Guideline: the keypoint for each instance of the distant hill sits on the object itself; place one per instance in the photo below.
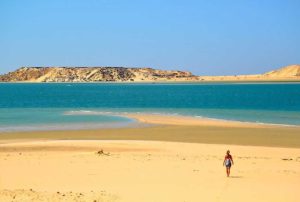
(288, 71)
(94, 74)
(122, 74)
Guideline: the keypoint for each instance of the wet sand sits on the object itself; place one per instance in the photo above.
(177, 129)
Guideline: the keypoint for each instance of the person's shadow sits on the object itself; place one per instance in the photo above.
(236, 176)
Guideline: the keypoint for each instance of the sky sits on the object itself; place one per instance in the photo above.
(206, 37)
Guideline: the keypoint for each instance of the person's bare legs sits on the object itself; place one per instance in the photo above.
(228, 171)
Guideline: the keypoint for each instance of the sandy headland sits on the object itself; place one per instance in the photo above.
(289, 73)
(173, 158)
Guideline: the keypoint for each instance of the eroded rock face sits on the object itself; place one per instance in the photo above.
(93, 74)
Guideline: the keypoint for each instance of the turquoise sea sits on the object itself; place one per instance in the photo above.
(55, 106)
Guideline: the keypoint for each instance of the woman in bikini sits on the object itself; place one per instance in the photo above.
(228, 162)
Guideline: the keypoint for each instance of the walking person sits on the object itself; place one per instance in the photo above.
(228, 162)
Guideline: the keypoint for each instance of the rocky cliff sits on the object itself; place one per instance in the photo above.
(94, 74)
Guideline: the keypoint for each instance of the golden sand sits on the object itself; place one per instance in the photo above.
(180, 161)
(178, 129)
(132, 171)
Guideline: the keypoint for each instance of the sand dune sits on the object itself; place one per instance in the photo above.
(288, 71)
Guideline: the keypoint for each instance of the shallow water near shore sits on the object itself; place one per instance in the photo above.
(44, 106)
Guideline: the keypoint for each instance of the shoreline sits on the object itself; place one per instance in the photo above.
(141, 119)
(271, 81)
(169, 119)
(176, 157)
(175, 129)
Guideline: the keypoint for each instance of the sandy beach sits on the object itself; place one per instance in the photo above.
(145, 171)
(175, 159)
(141, 101)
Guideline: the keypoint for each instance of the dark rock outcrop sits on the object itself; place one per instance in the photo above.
(93, 74)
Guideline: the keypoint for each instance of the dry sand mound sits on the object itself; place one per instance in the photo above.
(288, 71)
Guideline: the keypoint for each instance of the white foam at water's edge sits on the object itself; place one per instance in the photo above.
(88, 112)
(119, 124)
(247, 122)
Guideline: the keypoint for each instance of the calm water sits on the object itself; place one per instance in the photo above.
(92, 105)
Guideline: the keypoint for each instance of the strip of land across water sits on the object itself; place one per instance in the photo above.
(173, 158)
(178, 129)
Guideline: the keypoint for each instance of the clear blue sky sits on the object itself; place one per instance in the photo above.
(207, 37)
